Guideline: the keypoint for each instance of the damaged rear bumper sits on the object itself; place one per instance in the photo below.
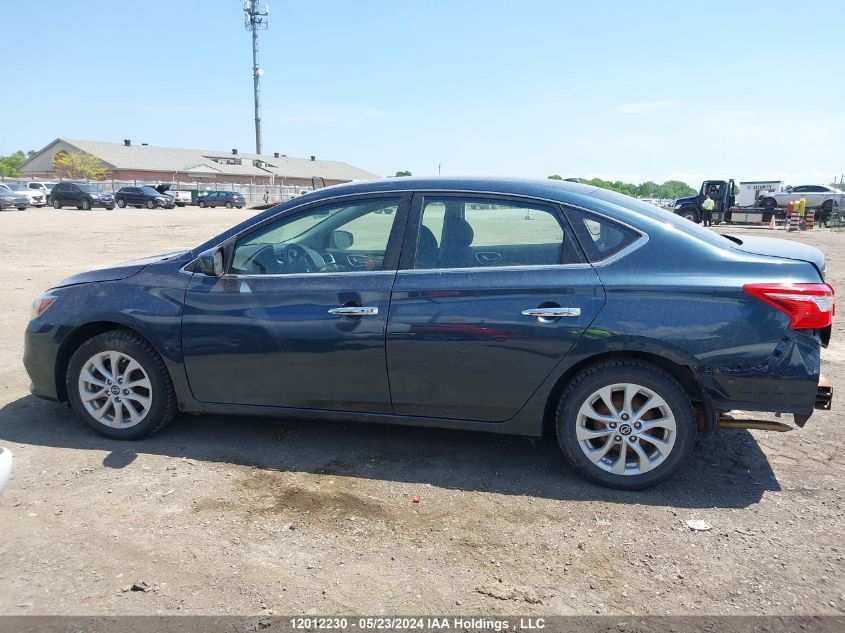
(754, 420)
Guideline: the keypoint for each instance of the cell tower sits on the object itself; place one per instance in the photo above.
(256, 18)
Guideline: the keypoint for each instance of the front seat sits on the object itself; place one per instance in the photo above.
(455, 251)
(426, 249)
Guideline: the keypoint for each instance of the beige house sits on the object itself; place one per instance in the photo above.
(130, 161)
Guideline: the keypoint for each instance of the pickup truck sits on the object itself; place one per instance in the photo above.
(181, 198)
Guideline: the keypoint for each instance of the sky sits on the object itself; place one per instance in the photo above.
(620, 90)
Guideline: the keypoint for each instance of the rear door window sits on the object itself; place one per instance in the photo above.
(469, 232)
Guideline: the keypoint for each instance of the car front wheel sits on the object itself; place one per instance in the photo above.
(85, 205)
(625, 424)
(228, 205)
(151, 204)
(118, 384)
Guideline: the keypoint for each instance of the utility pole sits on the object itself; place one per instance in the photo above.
(256, 19)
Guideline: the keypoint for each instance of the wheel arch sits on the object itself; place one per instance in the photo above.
(74, 340)
(680, 372)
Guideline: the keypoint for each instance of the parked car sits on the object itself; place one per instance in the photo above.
(621, 327)
(45, 187)
(12, 199)
(226, 199)
(80, 195)
(142, 197)
(36, 198)
(817, 196)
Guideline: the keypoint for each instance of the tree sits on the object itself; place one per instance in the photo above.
(9, 164)
(555, 177)
(675, 189)
(648, 189)
(403, 173)
(78, 165)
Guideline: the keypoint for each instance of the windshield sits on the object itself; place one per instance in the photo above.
(16, 186)
(89, 188)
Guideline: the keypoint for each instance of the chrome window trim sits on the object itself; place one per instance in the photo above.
(637, 244)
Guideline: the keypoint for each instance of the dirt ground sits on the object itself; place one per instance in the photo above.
(247, 516)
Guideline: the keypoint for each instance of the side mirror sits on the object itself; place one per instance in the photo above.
(210, 262)
(342, 240)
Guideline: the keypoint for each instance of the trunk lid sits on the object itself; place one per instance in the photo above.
(775, 247)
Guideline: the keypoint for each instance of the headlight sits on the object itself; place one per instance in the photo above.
(40, 305)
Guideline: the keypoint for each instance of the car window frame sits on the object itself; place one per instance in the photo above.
(638, 243)
(392, 253)
(412, 229)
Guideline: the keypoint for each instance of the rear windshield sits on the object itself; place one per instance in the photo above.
(667, 217)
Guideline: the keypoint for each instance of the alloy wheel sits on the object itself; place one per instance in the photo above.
(626, 429)
(115, 389)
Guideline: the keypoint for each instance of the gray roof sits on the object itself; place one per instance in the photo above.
(164, 159)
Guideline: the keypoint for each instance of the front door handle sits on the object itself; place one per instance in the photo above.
(552, 313)
(354, 311)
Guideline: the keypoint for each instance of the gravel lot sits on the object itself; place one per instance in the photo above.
(244, 516)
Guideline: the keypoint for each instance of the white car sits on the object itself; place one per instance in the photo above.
(5, 466)
(821, 196)
(37, 197)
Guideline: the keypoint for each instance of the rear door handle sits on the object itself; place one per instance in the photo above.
(552, 313)
(349, 311)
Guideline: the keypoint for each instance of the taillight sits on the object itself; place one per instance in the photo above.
(808, 306)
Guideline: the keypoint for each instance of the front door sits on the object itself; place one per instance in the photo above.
(299, 319)
(491, 295)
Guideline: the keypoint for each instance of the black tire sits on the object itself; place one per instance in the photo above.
(690, 215)
(163, 397)
(201, 204)
(770, 204)
(151, 204)
(85, 205)
(57, 204)
(593, 378)
(827, 206)
(229, 205)
(121, 203)
(110, 207)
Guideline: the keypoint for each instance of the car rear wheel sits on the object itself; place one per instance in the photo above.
(229, 205)
(118, 384)
(151, 204)
(769, 203)
(827, 206)
(86, 204)
(121, 203)
(201, 204)
(625, 424)
(57, 204)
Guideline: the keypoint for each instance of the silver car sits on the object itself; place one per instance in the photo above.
(827, 198)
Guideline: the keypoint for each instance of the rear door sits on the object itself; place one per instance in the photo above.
(491, 294)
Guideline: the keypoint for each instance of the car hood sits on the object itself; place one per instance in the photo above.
(779, 248)
(115, 273)
(686, 199)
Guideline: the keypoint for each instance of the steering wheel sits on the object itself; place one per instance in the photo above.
(302, 259)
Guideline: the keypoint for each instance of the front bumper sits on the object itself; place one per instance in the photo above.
(40, 354)
(103, 202)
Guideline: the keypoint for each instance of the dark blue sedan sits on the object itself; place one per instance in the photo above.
(509, 306)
